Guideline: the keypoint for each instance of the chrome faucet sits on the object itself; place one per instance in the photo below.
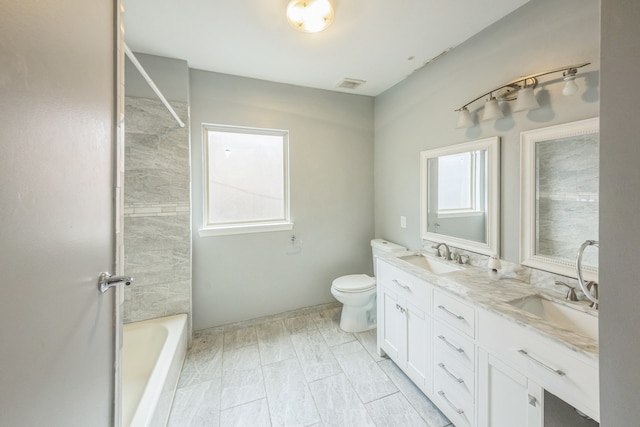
(593, 288)
(447, 251)
(571, 294)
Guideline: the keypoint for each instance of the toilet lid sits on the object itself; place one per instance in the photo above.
(354, 283)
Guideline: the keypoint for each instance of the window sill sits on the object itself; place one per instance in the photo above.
(244, 229)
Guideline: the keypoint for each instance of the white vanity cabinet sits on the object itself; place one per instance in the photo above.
(404, 322)
(479, 367)
(536, 363)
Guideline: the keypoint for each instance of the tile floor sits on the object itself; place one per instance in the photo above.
(295, 369)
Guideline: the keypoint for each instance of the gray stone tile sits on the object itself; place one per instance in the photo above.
(239, 337)
(366, 377)
(254, 414)
(274, 342)
(328, 323)
(197, 406)
(427, 410)
(338, 404)
(242, 380)
(204, 359)
(289, 397)
(369, 340)
(394, 411)
(300, 323)
(314, 355)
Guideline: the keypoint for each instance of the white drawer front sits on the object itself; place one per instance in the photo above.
(455, 313)
(453, 345)
(448, 370)
(556, 368)
(412, 289)
(459, 409)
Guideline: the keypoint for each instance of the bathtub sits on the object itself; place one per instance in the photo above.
(152, 355)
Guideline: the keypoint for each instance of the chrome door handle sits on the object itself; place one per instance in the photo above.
(107, 281)
(450, 344)
(450, 403)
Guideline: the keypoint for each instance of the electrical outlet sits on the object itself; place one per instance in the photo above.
(403, 222)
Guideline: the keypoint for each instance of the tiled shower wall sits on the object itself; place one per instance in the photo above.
(157, 217)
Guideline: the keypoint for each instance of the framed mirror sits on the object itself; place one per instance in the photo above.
(460, 195)
(559, 197)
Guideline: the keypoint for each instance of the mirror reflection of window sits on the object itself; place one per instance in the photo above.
(461, 180)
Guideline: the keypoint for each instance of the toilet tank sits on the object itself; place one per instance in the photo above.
(381, 246)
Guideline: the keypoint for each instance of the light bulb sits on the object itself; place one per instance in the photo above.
(492, 110)
(526, 100)
(464, 118)
(570, 87)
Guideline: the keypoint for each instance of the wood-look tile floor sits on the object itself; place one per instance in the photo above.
(295, 369)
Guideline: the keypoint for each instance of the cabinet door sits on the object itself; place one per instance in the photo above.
(504, 396)
(392, 323)
(418, 346)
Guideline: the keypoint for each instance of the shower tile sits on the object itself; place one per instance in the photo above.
(254, 414)
(315, 357)
(366, 377)
(290, 400)
(338, 404)
(393, 411)
(274, 342)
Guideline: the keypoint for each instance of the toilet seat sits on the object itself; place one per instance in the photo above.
(354, 283)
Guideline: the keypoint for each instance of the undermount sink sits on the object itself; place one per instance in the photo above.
(430, 264)
(559, 314)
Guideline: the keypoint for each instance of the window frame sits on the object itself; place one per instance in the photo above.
(243, 227)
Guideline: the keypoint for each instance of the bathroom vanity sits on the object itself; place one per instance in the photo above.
(485, 350)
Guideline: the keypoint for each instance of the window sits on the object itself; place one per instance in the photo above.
(246, 174)
(459, 178)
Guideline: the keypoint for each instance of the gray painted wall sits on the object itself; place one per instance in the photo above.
(619, 205)
(331, 150)
(418, 113)
(169, 74)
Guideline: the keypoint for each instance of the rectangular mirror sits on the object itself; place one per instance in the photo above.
(459, 195)
(559, 197)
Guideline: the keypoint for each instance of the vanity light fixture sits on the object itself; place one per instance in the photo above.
(310, 16)
(521, 90)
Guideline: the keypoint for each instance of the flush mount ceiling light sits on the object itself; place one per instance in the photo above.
(310, 16)
(520, 90)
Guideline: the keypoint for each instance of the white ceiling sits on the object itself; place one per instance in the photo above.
(379, 41)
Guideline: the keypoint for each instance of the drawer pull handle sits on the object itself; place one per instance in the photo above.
(544, 365)
(450, 313)
(402, 285)
(454, 407)
(444, 368)
(447, 342)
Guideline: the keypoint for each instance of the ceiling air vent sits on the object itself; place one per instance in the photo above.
(348, 83)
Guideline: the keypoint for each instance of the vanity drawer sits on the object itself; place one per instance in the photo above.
(556, 368)
(453, 345)
(412, 289)
(455, 313)
(458, 408)
(448, 370)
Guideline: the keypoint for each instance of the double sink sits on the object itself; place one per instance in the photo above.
(562, 314)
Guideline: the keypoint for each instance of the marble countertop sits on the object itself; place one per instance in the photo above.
(474, 285)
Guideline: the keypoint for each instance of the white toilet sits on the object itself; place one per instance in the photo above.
(357, 292)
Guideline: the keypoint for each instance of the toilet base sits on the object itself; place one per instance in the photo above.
(358, 319)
